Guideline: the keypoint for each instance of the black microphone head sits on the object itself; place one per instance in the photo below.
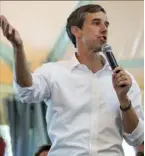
(106, 48)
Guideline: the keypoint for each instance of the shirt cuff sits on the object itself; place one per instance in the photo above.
(23, 92)
(18, 88)
(137, 136)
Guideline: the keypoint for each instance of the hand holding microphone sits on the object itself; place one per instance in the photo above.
(120, 79)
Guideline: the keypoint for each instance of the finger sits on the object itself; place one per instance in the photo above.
(120, 74)
(123, 83)
(117, 69)
(3, 23)
(9, 31)
(2, 18)
(121, 78)
(13, 36)
(5, 29)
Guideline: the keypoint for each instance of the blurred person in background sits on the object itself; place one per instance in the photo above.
(140, 150)
(5, 141)
(43, 150)
(91, 112)
(2, 146)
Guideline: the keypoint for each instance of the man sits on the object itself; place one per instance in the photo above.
(43, 150)
(90, 112)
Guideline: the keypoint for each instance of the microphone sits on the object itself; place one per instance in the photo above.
(107, 50)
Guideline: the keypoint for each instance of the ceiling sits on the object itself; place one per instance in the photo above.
(40, 23)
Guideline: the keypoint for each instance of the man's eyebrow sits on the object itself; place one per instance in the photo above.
(99, 19)
(96, 19)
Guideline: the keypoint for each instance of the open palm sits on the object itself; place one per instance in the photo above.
(9, 32)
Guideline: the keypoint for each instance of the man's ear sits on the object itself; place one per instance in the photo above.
(76, 31)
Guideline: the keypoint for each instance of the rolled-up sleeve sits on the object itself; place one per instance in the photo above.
(40, 89)
(137, 136)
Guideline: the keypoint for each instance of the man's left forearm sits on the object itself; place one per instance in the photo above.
(130, 118)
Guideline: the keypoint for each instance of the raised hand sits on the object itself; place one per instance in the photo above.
(9, 32)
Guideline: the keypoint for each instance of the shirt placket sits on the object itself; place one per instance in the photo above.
(94, 113)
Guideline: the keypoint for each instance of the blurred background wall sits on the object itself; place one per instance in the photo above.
(42, 28)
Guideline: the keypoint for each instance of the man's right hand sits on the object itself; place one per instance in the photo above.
(10, 33)
(22, 73)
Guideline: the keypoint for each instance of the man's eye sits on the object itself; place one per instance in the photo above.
(96, 23)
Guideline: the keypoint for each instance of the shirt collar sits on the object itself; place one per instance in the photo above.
(74, 62)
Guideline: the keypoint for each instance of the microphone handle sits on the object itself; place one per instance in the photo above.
(112, 61)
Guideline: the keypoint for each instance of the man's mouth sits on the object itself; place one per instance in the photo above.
(103, 38)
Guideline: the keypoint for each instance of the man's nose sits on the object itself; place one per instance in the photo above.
(104, 28)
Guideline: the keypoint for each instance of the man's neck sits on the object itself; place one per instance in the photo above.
(91, 59)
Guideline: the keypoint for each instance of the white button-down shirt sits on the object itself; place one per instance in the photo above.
(83, 116)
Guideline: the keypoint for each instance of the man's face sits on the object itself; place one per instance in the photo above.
(45, 153)
(94, 31)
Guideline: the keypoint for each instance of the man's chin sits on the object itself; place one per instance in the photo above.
(97, 49)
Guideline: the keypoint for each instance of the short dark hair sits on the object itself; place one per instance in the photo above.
(42, 149)
(77, 18)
